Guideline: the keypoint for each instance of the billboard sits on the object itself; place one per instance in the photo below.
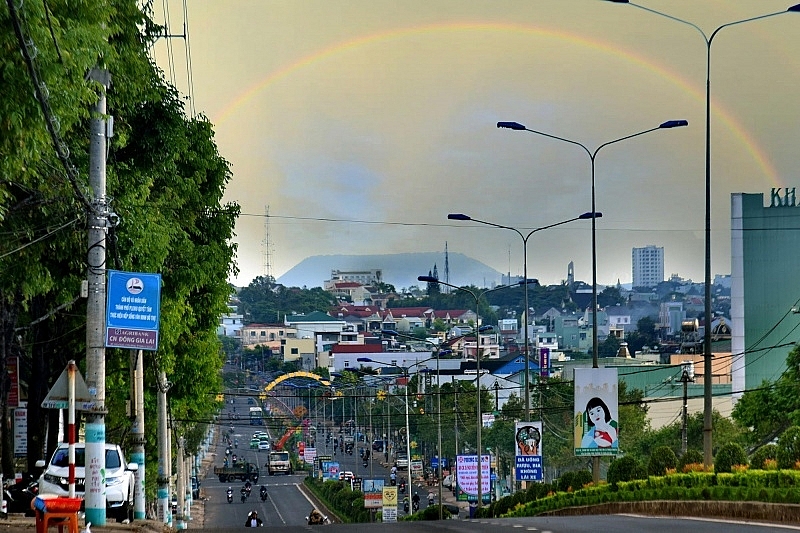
(596, 412)
(528, 446)
(467, 475)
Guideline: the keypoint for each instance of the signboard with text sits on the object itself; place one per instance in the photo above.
(467, 475)
(528, 454)
(20, 432)
(373, 493)
(132, 310)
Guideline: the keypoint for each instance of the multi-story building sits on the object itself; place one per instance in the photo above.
(648, 266)
(765, 249)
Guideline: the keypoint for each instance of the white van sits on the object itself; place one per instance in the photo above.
(120, 482)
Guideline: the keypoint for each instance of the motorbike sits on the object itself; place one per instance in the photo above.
(405, 505)
(263, 493)
(230, 496)
(402, 488)
(18, 496)
(317, 519)
(244, 496)
(431, 499)
(415, 505)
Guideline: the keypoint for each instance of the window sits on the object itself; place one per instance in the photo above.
(295, 351)
(347, 364)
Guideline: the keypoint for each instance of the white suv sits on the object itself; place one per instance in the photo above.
(120, 482)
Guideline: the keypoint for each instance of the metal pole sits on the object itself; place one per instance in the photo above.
(137, 434)
(181, 489)
(478, 398)
(163, 452)
(439, 432)
(95, 430)
(408, 432)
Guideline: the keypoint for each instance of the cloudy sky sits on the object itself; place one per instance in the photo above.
(361, 124)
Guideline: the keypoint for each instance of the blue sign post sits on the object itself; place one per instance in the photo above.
(133, 310)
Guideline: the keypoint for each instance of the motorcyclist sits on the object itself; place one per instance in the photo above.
(263, 492)
(431, 498)
(248, 486)
(315, 518)
(415, 499)
(253, 520)
(229, 493)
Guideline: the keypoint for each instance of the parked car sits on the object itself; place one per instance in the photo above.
(378, 445)
(119, 475)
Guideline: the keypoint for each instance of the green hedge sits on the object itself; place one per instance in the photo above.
(346, 504)
(773, 486)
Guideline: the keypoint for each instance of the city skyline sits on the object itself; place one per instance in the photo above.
(361, 125)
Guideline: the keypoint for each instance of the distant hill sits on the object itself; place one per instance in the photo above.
(401, 270)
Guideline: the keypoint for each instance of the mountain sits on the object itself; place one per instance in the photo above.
(401, 270)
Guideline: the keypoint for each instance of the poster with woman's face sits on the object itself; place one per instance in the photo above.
(596, 420)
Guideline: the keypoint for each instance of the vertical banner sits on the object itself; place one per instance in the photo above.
(596, 412)
(544, 362)
(467, 475)
(389, 510)
(373, 493)
(12, 367)
(528, 446)
(20, 432)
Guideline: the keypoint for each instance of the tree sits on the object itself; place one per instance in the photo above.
(166, 179)
(433, 288)
(609, 347)
(610, 297)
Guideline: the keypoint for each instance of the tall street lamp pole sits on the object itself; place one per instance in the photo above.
(708, 39)
(437, 354)
(584, 216)
(592, 157)
(477, 297)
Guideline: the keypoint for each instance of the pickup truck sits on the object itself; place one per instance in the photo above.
(240, 472)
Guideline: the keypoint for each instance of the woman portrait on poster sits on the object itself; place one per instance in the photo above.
(602, 430)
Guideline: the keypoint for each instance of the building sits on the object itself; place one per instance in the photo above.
(648, 266)
(364, 277)
(765, 249)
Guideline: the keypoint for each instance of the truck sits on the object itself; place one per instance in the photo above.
(240, 472)
(278, 462)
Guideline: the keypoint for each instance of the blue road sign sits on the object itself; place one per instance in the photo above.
(133, 310)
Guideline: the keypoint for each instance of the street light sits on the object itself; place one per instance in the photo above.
(707, 389)
(477, 297)
(584, 216)
(408, 426)
(592, 156)
(439, 353)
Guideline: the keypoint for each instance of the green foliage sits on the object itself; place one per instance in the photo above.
(626, 468)
(759, 457)
(789, 448)
(691, 457)
(730, 455)
(268, 302)
(662, 459)
(609, 347)
(346, 504)
(574, 480)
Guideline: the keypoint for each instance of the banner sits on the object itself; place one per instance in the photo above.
(528, 446)
(596, 412)
(544, 362)
(389, 510)
(132, 310)
(467, 475)
(330, 471)
(373, 493)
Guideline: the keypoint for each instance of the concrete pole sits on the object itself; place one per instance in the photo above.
(95, 431)
(187, 474)
(137, 433)
(181, 489)
(164, 512)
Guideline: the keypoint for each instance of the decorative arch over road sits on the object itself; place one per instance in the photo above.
(300, 374)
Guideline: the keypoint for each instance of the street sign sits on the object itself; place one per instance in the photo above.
(132, 310)
(58, 396)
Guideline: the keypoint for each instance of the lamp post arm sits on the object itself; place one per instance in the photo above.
(588, 152)
(535, 230)
(676, 19)
(637, 134)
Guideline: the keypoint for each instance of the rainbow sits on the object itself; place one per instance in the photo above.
(695, 91)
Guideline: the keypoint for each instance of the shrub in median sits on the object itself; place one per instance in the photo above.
(661, 459)
(730, 455)
(788, 453)
(625, 469)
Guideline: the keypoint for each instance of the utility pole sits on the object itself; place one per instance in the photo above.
(95, 431)
(137, 432)
(687, 376)
(181, 498)
(164, 512)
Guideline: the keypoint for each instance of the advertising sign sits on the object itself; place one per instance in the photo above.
(132, 310)
(389, 510)
(596, 412)
(20, 432)
(416, 468)
(330, 471)
(309, 455)
(12, 366)
(544, 362)
(467, 475)
(528, 446)
(373, 493)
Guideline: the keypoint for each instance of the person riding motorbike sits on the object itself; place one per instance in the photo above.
(415, 499)
(393, 479)
(431, 498)
(315, 518)
(248, 486)
(405, 504)
(253, 520)
(229, 492)
(263, 493)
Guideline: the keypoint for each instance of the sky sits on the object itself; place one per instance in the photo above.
(359, 125)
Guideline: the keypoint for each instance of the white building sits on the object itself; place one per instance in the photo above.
(648, 266)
